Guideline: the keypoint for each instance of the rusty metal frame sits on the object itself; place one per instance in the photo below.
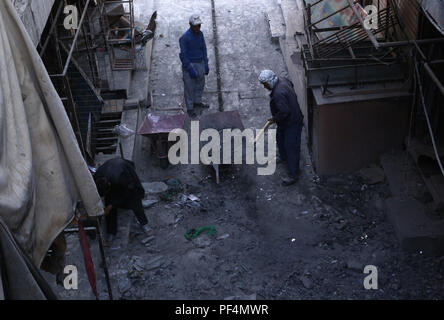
(344, 38)
(351, 38)
(63, 65)
(119, 63)
(74, 42)
(64, 68)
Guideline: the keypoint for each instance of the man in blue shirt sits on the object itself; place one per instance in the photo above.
(193, 54)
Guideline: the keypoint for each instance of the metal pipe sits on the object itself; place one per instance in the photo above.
(317, 2)
(102, 253)
(71, 51)
(437, 62)
(318, 30)
(51, 30)
(345, 66)
(409, 42)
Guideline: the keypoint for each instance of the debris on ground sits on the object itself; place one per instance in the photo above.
(224, 236)
(173, 183)
(194, 233)
(149, 203)
(147, 240)
(193, 197)
(306, 281)
(155, 263)
(124, 285)
(372, 174)
(154, 187)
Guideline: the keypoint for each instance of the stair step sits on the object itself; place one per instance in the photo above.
(108, 121)
(111, 148)
(106, 139)
(104, 130)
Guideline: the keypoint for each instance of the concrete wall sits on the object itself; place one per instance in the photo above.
(349, 136)
(34, 14)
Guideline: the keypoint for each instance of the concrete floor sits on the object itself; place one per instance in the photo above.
(309, 241)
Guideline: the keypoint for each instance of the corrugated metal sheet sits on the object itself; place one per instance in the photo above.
(434, 10)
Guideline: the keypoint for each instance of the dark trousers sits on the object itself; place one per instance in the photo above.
(289, 144)
(133, 204)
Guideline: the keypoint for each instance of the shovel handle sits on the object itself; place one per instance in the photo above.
(268, 124)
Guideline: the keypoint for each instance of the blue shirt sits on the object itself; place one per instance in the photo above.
(192, 48)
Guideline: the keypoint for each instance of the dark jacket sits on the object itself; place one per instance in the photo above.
(284, 104)
(125, 184)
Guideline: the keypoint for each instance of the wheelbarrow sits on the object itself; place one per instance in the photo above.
(220, 121)
(156, 127)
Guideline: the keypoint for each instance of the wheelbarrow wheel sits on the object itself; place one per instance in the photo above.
(164, 163)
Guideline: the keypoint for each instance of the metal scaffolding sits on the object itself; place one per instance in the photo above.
(340, 30)
(338, 39)
(117, 19)
(342, 50)
(65, 51)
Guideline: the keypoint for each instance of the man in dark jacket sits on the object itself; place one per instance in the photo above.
(117, 181)
(194, 58)
(287, 115)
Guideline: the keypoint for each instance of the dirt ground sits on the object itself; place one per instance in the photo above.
(308, 241)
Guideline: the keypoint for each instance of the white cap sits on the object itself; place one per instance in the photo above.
(195, 20)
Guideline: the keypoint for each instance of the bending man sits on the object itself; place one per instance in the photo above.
(117, 181)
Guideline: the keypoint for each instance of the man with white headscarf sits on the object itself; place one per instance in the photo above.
(287, 115)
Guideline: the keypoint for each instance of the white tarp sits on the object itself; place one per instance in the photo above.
(42, 171)
(434, 10)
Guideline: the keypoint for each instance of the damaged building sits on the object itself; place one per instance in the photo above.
(374, 85)
(368, 75)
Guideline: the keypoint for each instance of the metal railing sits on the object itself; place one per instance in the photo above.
(63, 51)
(121, 39)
